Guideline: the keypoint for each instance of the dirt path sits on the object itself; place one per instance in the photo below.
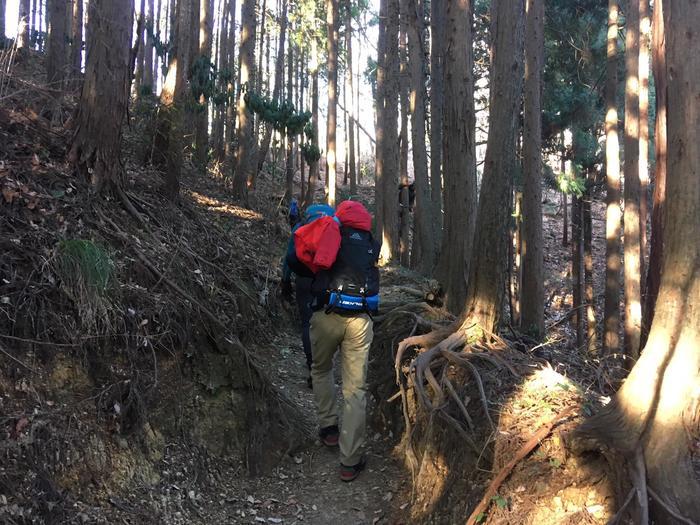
(307, 488)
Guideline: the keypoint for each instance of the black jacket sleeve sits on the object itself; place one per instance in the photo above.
(297, 266)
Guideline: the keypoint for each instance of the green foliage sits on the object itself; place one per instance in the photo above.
(84, 264)
(575, 51)
(283, 116)
(500, 501)
(480, 517)
(571, 185)
(203, 78)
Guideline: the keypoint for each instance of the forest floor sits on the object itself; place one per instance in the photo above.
(182, 483)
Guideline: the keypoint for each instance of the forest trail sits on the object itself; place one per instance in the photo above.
(306, 487)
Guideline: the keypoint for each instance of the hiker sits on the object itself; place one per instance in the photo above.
(303, 283)
(342, 255)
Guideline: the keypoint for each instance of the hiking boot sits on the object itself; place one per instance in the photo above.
(349, 473)
(329, 436)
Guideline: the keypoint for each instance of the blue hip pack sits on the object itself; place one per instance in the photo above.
(353, 303)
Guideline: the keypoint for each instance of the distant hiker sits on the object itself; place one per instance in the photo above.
(342, 256)
(293, 214)
(303, 284)
(411, 195)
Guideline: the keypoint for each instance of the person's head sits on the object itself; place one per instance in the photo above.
(316, 211)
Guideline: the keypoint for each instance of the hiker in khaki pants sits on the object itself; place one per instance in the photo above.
(353, 334)
(341, 255)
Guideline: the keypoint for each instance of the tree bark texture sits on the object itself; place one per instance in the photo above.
(331, 123)
(96, 147)
(148, 76)
(660, 144)
(633, 299)
(350, 93)
(644, 45)
(230, 120)
(289, 162)
(438, 21)
(657, 407)
(487, 269)
(206, 23)
(424, 242)
(459, 154)
(404, 214)
(276, 90)
(76, 48)
(245, 156)
(387, 163)
(168, 140)
(57, 40)
(532, 294)
(613, 213)
(138, 77)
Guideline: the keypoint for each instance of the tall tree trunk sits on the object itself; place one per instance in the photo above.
(613, 213)
(405, 217)
(350, 93)
(148, 50)
(459, 154)
(577, 273)
(57, 55)
(633, 305)
(313, 168)
(644, 45)
(23, 25)
(331, 124)
(588, 295)
(276, 91)
(168, 141)
(655, 413)
(289, 162)
(230, 119)
(424, 242)
(437, 101)
(564, 198)
(96, 147)
(138, 77)
(532, 295)
(387, 163)
(76, 50)
(660, 144)
(223, 68)
(206, 22)
(260, 81)
(487, 269)
(245, 156)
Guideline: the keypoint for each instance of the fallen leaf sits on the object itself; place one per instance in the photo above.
(21, 424)
(9, 195)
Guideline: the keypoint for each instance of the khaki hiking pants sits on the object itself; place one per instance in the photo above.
(353, 335)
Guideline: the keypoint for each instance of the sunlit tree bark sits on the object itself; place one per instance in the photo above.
(23, 25)
(458, 155)
(532, 294)
(633, 298)
(655, 413)
(613, 213)
(331, 124)
(660, 145)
